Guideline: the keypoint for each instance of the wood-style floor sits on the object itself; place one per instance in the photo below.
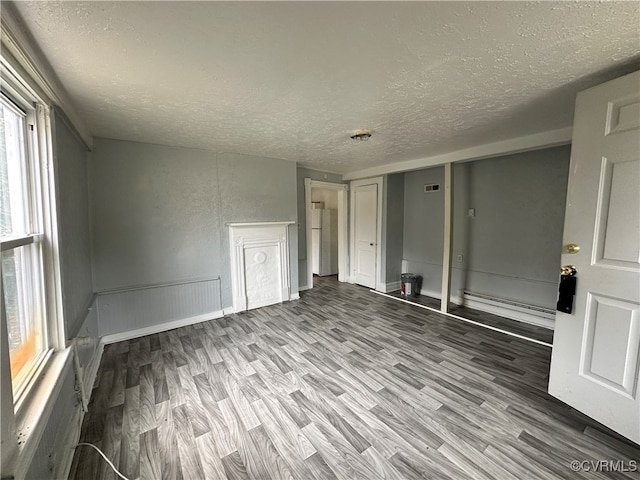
(341, 384)
(520, 328)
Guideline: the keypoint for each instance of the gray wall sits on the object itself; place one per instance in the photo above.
(393, 226)
(73, 223)
(74, 230)
(515, 240)
(156, 214)
(160, 213)
(423, 227)
(511, 249)
(301, 174)
(255, 189)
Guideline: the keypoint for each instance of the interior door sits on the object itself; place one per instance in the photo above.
(595, 359)
(366, 226)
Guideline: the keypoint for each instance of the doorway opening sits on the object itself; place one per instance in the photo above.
(326, 229)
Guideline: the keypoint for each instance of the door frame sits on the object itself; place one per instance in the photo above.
(342, 189)
(379, 181)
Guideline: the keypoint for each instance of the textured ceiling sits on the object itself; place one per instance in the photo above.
(293, 80)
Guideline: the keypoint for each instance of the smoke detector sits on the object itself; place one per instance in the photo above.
(361, 135)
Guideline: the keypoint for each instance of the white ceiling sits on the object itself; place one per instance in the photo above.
(292, 80)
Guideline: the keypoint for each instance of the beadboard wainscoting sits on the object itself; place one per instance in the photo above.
(143, 310)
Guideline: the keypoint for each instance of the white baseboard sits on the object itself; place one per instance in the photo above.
(303, 288)
(295, 296)
(162, 327)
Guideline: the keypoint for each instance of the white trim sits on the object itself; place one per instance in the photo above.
(295, 296)
(489, 327)
(327, 185)
(228, 311)
(537, 141)
(148, 286)
(379, 181)
(307, 231)
(448, 238)
(343, 232)
(260, 224)
(303, 288)
(162, 327)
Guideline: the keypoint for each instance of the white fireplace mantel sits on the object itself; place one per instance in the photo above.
(260, 264)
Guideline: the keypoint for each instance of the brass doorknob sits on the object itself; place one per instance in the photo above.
(572, 248)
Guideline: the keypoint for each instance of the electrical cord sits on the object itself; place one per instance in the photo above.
(103, 456)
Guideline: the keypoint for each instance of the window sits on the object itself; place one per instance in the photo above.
(34, 360)
(22, 237)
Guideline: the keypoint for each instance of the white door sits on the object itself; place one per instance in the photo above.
(366, 214)
(595, 358)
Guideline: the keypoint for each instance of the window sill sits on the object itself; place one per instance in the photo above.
(34, 413)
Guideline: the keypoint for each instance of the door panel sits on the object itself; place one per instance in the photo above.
(618, 239)
(366, 215)
(612, 342)
(596, 349)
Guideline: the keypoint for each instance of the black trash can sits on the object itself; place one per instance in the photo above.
(409, 285)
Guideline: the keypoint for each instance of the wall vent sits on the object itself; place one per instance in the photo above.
(434, 187)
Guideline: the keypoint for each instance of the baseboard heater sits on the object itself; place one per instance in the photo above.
(511, 308)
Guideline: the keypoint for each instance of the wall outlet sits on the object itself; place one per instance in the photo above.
(459, 258)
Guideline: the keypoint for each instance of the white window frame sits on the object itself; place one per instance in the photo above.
(34, 235)
(26, 418)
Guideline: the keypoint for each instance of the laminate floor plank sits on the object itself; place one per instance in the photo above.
(150, 465)
(130, 443)
(171, 467)
(341, 384)
(246, 448)
(276, 466)
(210, 459)
(111, 441)
(287, 449)
(174, 387)
(187, 450)
(147, 400)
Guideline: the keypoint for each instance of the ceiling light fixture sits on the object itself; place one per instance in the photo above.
(361, 135)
